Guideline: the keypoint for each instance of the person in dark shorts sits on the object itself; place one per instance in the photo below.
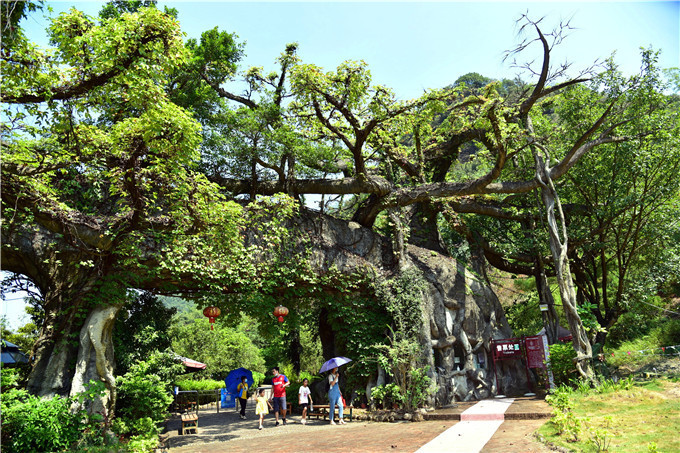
(305, 399)
(279, 383)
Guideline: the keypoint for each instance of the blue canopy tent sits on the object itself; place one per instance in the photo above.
(232, 381)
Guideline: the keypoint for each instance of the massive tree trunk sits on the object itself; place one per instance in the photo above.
(73, 333)
(462, 350)
(461, 314)
(55, 352)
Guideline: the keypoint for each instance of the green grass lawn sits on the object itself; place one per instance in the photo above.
(643, 418)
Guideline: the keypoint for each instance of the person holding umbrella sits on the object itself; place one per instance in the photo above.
(242, 392)
(334, 393)
(335, 396)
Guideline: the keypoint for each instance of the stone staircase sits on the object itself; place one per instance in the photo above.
(522, 408)
(479, 421)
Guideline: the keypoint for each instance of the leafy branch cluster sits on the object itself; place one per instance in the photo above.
(402, 296)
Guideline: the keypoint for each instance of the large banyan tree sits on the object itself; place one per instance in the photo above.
(127, 164)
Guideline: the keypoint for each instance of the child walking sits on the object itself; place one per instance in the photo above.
(263, 406)
(305, 399)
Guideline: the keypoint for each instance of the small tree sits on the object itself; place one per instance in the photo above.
(400, 360)
(143, 393)
(141, 329)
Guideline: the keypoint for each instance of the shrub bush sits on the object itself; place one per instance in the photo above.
(30, 423)
(142, 394)
(400, 359)
(669, 334)
(386, 395)
(378, 395)
(563, 418)
(9, 379)
(562, 363)
(629, 327)
(147, 439)
(421, 387)
(33, 424)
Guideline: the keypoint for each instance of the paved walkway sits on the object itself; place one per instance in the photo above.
(477, 426)
(225, 432)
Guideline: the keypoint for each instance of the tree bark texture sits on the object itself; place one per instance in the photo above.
(74, 344)
(95, 358)
(49, 260)
(461, 313)
(558, 247)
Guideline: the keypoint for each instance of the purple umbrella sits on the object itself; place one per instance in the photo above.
(334, 362)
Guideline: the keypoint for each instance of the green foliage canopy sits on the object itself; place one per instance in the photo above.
(222, 349)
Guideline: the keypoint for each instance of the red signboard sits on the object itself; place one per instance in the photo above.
(507, 349)
(533, 350)
(535, 354)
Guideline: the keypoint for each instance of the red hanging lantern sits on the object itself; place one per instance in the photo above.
(211, 313)
(280, 312)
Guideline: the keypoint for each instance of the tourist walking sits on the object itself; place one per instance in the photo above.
(305, 399)
(242, 392)
(335, 396)
(262, 407)
(279, 382)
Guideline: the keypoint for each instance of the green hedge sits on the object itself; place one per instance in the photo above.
(204, 385)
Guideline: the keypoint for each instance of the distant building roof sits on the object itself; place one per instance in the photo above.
(192, 365)
(562, 333)
(11, 354)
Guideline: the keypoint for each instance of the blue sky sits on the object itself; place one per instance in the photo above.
(411, 47)
(414, 46)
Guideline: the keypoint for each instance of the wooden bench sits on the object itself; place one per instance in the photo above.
(323, 410)
(189, 422)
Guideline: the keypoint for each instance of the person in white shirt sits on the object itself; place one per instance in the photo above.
(305, 399)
